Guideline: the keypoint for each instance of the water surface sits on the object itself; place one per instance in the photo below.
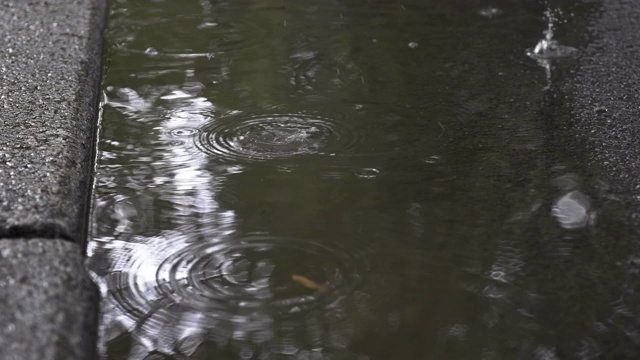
(352, 180)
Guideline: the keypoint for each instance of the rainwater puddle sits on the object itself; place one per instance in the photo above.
(353, 180)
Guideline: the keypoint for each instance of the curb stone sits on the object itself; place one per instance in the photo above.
(49, 303)
(50, 66)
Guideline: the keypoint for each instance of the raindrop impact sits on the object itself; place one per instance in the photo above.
(548, 48)
(276, 136)
(223, 290)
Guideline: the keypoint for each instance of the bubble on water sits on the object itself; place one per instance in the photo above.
(183, 132)
(572, 211)
(413, 45)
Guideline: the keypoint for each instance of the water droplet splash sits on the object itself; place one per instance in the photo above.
(548, 48)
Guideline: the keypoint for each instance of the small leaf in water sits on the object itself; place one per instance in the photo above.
(308, 283)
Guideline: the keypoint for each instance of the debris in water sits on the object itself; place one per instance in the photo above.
(308, 283)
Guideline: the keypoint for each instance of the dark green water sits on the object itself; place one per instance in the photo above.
(352, 180)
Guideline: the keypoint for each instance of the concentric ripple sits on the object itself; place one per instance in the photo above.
(183, 132)
(225, 33)
(230, 280)
(253, 273)
(549, 49)
(276, 136)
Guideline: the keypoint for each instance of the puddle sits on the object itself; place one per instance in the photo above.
(352, 180)
(178, 293)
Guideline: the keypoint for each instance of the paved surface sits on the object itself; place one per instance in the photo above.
(49, 71)
(605, 97)
(50, 62)
(49, 305)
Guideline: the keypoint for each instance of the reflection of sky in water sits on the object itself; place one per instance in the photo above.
(178, 175)
(211, 292)
(178, 290)
(193, 192)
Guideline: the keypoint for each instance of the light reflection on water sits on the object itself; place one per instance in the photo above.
(292, 180)
(178, 293)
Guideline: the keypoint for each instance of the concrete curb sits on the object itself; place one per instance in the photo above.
(49, 79)
(49, 304)
(50, 64)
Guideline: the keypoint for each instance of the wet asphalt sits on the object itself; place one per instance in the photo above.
(603, 98)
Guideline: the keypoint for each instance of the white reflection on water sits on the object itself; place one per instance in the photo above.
(192, 281)
(128, 101)
(170, 295)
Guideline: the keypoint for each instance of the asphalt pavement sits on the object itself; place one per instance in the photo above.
(603, 97)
